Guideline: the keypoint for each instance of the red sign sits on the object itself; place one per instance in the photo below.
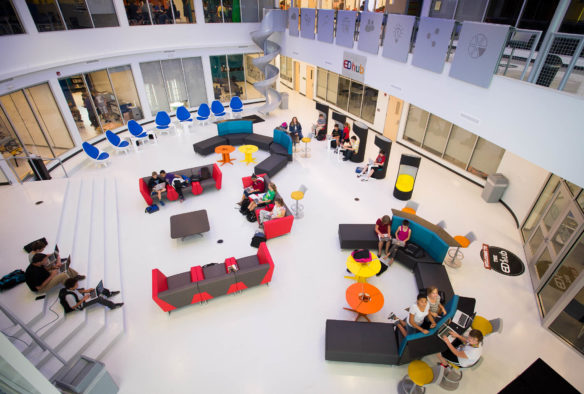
(486, 257)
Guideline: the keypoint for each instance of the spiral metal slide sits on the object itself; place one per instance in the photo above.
(271, 72)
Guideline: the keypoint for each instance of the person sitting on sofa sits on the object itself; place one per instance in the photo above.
(157, 185)
(377, 165)
(402, 235)
(319, 127)
(350, 148)
(40, 279)
(336, 134)
(346, 132)
(382, 228)
(71, 302)
(257, 186)
(175, 181)
(416, 321)
(279, 211)
(463, 351)
(295, 130)
(436, 308)
(262, 199)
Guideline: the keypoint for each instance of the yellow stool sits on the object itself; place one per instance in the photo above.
(298, 195)
(487, 327)
(306, 140)
(419, 375)
(456, 255)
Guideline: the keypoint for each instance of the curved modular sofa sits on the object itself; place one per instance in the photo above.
(212, 280)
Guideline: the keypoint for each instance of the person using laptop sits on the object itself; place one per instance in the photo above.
(383, 230)
(37, 247)
(377, 165)
(74, 299)
(402, 235)
(257, 186)
(463, 352)
(418, 313)
(39, 278)
(157, 185)
(262, 199)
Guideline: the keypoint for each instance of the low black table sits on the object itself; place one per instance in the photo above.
(189, 223)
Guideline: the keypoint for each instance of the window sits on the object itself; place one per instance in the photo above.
(9, 23)
(159, 12)
(50, 15)
(460, 146)
(542, 202)
(436, 135)
(369, 104)
(485, 159)
(236, 76)
(125, 90)
(193, 68)
(416, 125)
(154, 85)
(343, 93)
(321, 76)
(355, 98)
(12, 146)
(175, 83)
(252, 75)
(103, 13)
(332, 88)
(286, 68)
(220, 78)
(218, 11)
(46, 15)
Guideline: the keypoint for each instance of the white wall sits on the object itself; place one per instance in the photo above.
(539, 124)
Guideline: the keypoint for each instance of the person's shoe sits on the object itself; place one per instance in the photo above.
(390, 262)
(392, 316)
(162, 203)
(116, 306)
(80, 277)
(364, 179)
(114, 293)
(182, 200)
(239, 203)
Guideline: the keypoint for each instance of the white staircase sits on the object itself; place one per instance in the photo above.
(89, 231)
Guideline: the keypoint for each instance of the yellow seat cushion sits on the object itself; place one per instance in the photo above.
(305, 139)
(483, 325)
(404, 183)
(420, 372)
(297, 195)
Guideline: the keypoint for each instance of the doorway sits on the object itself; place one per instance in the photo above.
(309, 82)
(393, 117)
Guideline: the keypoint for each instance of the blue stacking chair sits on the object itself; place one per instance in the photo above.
(184, 116)
(138, 134)
(163, 122)
(118, 144)
(95, 154)
(203, 113)
(236, 105)
(217, 108)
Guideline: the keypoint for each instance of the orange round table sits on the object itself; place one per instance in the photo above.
(225, 150)
(364, 299)
(362, 271)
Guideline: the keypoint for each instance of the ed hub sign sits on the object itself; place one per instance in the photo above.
(354, 66)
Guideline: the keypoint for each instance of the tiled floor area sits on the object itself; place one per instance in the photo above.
(271, 339)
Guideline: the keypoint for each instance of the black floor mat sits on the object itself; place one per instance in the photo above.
(253, 118)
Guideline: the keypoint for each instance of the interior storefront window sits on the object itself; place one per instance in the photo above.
(332, 88)
(46, 15)
(81, 106)
(175, 83)
(125, 90)
(236, 76)
(230, 10)
(138, 12)
(355, 98)
(504, 12)
(75, 14)
(106, 105)
(436, 135)
(321, 76)
(220, 78)
(343, 93)
(184, 11)
(154, 85)
(569, 324)
(193, 68)
(11, 147)
(460, 146)
(541, 205)
(103, 13)
(213, 11)
(369, 104)
(250, 11)
(485, 159)
(252, 75)
(9, 23)
(416, 125)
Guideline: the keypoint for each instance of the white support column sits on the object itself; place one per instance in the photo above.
(121, 13)
(199, 11)
(139, 81)
(25, 17)
(10, 175)
(426, 5)
(65, 111)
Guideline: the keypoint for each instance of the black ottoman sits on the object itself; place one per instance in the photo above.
(206, 147)
(433, 274)
(271, 165)
(261, 141)
(358, 236)
(361, 342)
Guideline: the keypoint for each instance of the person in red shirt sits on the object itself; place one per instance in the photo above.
(346, 132)
(257, 186)
(382, 228)
(376, 166)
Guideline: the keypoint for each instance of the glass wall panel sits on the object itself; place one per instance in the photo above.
(103, 13)
(175, 83)
(193, 67)
(580, 200)
(220, 78)
(75, 14)
(81, 106)
(355, 98)
(369, 104)
(574, 189)
(154, 85)
(162, 12)
(416, 125)
(231, 11)
(125, 90)
(540, 206)
(486, 158)
(343, 93)
(470, 10)
(184, 11)
(537, 14)
(252, 75)
(321, 76)
(11, 147)
(43, 103)
(504, 12)
(138, 12)
(46, 15)
(570, 322)
(9, 23)
(213, 11)
(436, 135)
(236, 76)
(104, 100)
(332, 88)
(250, 11)
(460, 145)
(563, 277)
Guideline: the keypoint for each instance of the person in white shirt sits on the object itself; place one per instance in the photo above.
(418, 312)
(279, 211)
(463, 351)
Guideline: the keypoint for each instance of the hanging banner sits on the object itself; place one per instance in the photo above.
(354, 66)
(346, 28)
(398, 37)
(326, 25)
(370, 32)
(307, 18)
(432, 43)
(293, 21)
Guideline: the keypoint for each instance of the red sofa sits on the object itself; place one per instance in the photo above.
(275, 227)
(196, 187)
(212, 280)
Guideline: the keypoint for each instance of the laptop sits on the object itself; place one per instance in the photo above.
(461, 319)
(444, 330)
(53, 256)
(65, 264)
(97, 291)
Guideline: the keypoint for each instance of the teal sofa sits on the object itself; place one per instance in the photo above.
(434, 246)
(235, 131)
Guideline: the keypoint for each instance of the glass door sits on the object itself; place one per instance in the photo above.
(560, 223)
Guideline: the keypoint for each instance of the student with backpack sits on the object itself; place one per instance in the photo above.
(74, 299)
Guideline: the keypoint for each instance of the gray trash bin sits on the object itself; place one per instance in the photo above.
(284, 102)
(85, 376)
(495, 187)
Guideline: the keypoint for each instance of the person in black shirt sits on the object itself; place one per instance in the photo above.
(39, 278)
(157, 185)
(69, 297)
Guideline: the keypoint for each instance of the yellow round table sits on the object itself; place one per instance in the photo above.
(248, 150)
(306, 140)
(404, 183)
(362, 271)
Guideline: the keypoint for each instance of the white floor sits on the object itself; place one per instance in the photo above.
(271, 339)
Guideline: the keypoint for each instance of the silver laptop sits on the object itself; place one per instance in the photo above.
(65, 264)
(53, 256)
(97, 291)
(460, 319)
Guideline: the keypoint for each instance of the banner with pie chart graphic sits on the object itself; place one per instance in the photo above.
(370, 32)
(432, 43)
(478, 52)
(398, 37)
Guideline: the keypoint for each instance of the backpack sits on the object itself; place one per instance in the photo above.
(257, 239)
(414, 250)
(361, 255)
(251, 217)
(10, 280)
(151, 208)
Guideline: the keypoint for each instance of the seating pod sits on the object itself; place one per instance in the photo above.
(362, 131)
(384, 144)
(235, 130)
